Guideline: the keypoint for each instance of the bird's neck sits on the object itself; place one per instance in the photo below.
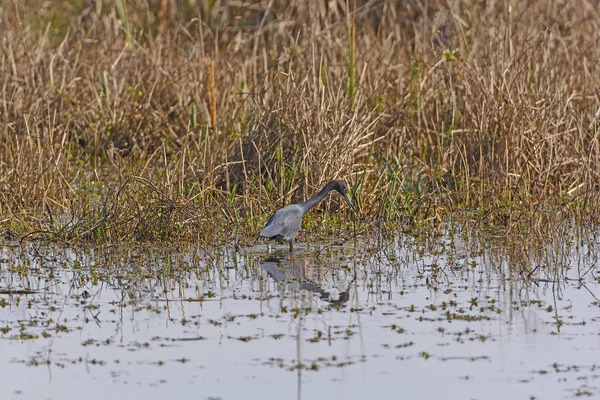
(313, 201)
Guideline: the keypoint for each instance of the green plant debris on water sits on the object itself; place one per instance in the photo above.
(474, 311)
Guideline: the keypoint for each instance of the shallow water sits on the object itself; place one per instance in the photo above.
(450, 317)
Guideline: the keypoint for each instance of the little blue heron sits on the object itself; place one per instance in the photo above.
(283, 226)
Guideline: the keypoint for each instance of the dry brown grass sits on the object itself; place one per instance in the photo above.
(161, 120)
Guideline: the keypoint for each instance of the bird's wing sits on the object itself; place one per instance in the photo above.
(285, 222)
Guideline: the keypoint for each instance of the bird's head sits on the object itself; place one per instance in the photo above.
(341, 187)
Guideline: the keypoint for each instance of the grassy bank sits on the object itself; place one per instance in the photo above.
(161, 120)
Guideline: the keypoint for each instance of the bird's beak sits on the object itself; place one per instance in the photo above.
(349, 202)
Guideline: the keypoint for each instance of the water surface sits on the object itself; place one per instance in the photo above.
(455, 316)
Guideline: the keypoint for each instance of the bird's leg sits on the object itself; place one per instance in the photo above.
(291, 245)
(268, 247)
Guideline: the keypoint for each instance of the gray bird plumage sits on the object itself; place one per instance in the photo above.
(284, 225)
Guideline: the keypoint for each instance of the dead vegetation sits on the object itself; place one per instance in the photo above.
(156, 120)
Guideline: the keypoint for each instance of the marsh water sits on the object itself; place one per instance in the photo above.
(457, 315)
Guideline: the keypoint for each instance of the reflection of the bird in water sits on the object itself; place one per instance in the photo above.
(289, 269)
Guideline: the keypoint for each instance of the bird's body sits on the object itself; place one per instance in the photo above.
(284, 225)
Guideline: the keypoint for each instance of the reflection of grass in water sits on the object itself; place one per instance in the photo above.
(131, 121)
